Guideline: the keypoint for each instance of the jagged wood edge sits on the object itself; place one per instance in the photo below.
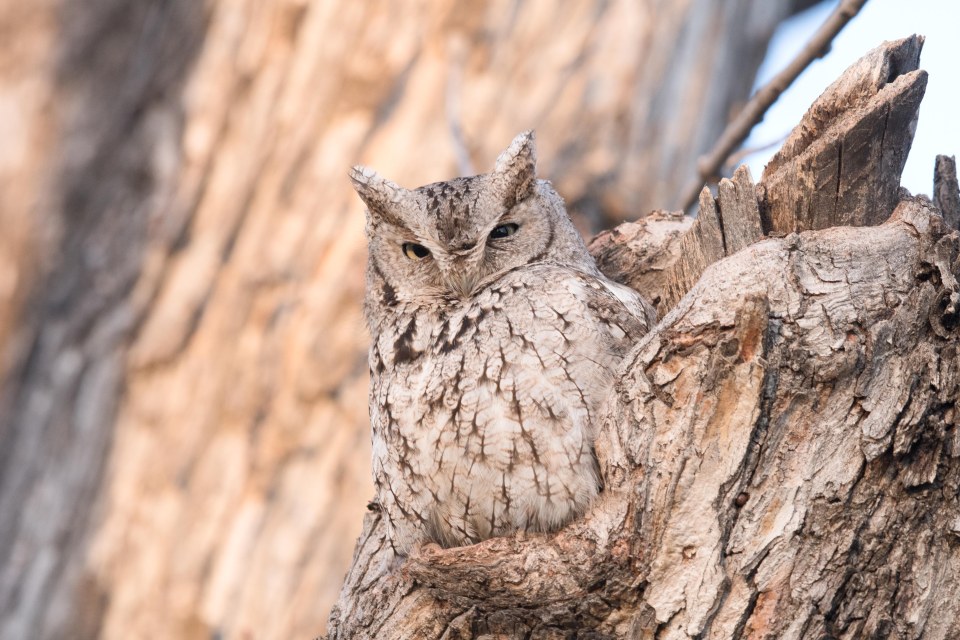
(841, 165)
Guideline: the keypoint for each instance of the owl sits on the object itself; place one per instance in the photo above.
(495, 339)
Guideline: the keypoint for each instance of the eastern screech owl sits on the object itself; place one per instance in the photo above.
(495, 339)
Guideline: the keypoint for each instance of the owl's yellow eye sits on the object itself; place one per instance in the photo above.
(504, 231)
(415, 251)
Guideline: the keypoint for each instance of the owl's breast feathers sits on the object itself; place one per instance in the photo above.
(545, 310)
(483, 413)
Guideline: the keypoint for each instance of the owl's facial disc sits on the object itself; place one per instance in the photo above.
(495, 251)
(449, 240)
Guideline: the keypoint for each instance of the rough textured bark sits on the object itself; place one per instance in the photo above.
(781, 455)
(183, 435)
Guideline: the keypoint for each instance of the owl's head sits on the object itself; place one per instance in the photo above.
(448, 240)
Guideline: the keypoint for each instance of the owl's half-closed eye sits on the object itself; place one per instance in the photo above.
(504, 231)
(415, 251)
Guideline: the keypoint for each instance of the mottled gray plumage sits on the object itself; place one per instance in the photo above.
(491, 353)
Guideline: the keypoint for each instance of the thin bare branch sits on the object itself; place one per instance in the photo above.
(737, 131)
(737, 157)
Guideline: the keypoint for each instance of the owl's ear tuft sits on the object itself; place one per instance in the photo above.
(518, 164)
(379, 194)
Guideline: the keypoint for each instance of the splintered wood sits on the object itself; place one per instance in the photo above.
(781, 455)
(842, 163)
(725, 224)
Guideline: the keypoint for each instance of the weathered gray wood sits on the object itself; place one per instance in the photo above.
(842, 163)
(946, 191)
(700, 246)
(709, 165)
(840, 166)
(818, 454)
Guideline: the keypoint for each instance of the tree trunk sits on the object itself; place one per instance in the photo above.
(781, 456)
(183, 435)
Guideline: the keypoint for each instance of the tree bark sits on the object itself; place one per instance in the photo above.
(183, 434)
(781, 456)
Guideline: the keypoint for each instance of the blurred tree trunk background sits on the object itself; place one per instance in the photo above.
(183, 416)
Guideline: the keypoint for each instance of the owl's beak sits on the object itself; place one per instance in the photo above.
(462, 283)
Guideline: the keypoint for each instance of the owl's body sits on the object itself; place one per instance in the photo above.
(495, 339)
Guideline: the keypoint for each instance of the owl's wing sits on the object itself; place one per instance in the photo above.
(581, 323)
(632, 301)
